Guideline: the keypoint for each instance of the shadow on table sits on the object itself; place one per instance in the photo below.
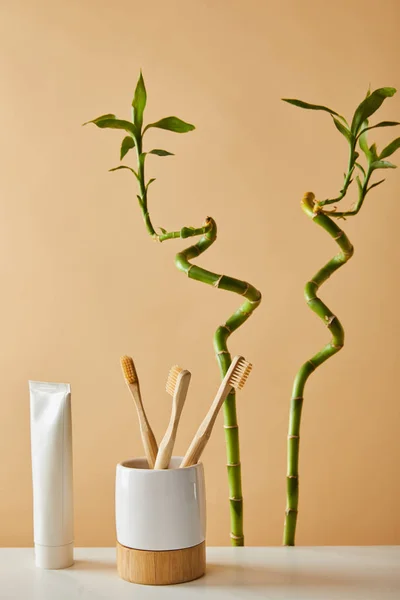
(94, 565)
(241, 575)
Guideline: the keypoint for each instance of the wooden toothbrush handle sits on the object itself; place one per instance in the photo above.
(195, 450)
(149, 442)
(165, 450)
(203, 434)
(167, 443)
(148, 439)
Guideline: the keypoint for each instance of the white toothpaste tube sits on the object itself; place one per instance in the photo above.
(51, 447)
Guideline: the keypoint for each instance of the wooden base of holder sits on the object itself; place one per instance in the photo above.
(163, 567)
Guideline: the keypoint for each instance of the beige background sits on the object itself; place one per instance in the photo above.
(81, 283)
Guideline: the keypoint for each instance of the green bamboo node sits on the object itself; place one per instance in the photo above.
(208, 235)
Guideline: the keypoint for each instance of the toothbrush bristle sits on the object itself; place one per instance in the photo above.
(172, 379)
(240, 374)
(128, 369)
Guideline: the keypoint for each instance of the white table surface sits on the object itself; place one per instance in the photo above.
(301, 573)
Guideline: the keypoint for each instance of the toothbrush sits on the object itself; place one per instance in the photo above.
(177, 386)
(235, 378)
(132, 381)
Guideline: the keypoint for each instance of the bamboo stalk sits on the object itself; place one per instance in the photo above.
(355, 133)
(208, 233)
(252, 301)
(336, 329)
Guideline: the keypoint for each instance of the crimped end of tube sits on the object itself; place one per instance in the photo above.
(172, 380)
(128, 369)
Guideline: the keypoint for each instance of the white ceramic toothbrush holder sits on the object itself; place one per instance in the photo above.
(160, 522)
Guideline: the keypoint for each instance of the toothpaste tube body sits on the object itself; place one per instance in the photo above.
(51, 447)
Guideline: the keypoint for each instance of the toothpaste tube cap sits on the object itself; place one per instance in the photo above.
(54, 557)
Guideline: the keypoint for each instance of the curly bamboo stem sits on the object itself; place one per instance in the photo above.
(252, 300)
(336, 329)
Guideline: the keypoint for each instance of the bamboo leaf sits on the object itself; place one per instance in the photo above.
(125, 167)
(375, 184)
(164, 231)
(161, 152)
(382, 164)
(149, 182)
(111, 122)
(381, 124)
(101, 118)
(360, 186)
(390, 148)
(373, 153)
(127, 143)
(139, 102)
(308, 106)
(364, 147)
(172, 124)
(369, 106)
(343, 130)
(142, 158)
(363, 140)
(361, 168)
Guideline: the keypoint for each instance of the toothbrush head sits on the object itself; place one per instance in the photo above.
(172, 380)
(128, 369)
(240, 371)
